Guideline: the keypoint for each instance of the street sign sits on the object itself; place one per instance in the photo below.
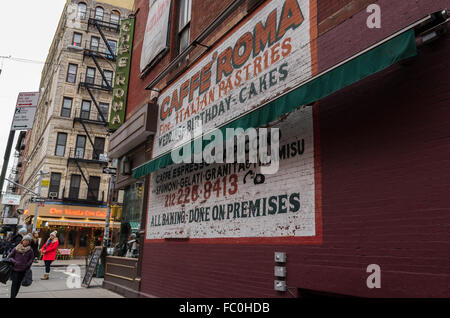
(25, 111)
(109, 170)
(38, 200)
(10, 199)
(10, 221)
(45, 183)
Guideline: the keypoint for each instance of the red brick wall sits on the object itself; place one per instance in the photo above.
(203, 13)
(385, 164)
(329, 8)
(349, 38)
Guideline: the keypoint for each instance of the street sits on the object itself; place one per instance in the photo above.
(60, 284)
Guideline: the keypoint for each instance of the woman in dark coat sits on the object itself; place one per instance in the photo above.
(22, 258)
(18, 237)
(35, 245)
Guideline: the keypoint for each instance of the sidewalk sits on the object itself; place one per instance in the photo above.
(63, 263)
(61, 284)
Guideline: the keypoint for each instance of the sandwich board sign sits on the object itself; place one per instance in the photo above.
(90, 269)
(25, 111)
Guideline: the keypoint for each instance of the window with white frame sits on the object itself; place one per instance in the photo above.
(109, 78)
(60, 148)
(66, 108)
(184, 24)
(95, 43)
(72, 73)
(82, 8)
(115, 17)
(77, 38)
(99, 12)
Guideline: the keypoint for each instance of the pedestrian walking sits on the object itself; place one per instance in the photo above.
(17, 239)
(7, 244)
(49, 251)
(22, 258)
(132, 246)
(35, 240)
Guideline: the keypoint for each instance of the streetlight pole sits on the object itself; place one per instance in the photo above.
(6, 158)
(41, 174)
(108, 213)
(101, 266)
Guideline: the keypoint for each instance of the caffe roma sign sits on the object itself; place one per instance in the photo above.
(261, 58)
(266, 55)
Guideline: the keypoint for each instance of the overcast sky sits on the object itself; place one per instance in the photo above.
(26, 31)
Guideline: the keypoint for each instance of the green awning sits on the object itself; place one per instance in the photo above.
(377, 59)
(134, 225)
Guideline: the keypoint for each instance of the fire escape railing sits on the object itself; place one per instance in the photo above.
(96, 50)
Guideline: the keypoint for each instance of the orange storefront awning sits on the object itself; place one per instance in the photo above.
(80, 223)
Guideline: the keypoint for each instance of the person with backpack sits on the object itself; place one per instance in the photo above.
(17, 239)
(35, 241)
(22, 257)
(49, 252)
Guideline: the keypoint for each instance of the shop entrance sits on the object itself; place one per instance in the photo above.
(81, 239)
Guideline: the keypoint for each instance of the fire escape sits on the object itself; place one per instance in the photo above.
(99, 50)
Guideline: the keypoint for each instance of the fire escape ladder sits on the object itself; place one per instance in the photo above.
(90, 139)
(96, 104)
(103, 36)
(85, 179)
(101, 71)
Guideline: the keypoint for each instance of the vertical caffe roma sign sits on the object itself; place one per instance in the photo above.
(265, 55)
(123, 63)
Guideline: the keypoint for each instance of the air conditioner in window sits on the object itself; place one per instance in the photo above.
(103, 157)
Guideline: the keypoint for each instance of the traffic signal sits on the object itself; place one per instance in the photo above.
(140, 191)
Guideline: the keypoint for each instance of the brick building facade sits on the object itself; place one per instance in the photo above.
(69, 139)
(371, 176)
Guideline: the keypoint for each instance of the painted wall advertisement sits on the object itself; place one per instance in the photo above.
(156, 38)
(232, 200)
(267, 55)
(227, 202)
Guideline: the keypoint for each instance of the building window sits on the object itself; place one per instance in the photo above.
(55, 181)
(90, 75)
(74, 189)
(85, 109)
(66, 109)
(104, 108)
(184, 25)
(115, 17)
(82, 8)
(95, 42)
(72, 73)
(61, 140)
(93, 187)
(99, 13)
(99, 146)
(109, 77)
(113, 45)
(77, 39)
(80, 146)
(84, 237)
(132, 212)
